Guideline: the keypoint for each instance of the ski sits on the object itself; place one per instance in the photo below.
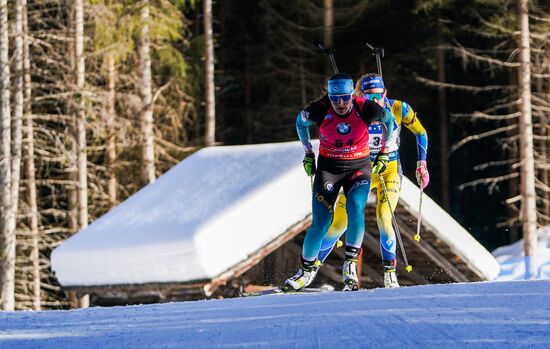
(279, 291)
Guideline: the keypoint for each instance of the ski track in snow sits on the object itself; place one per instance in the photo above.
(474, 315)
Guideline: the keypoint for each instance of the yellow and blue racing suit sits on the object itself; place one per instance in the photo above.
(403, 115)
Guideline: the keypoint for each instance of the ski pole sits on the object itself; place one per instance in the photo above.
(419, 218)
(330, 53)
(379, 53)
(394, 221)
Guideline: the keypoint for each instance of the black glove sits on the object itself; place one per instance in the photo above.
(309, 164)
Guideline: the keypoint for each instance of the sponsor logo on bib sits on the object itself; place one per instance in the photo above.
(343, 128)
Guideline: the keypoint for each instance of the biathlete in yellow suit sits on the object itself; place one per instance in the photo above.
(371, 86)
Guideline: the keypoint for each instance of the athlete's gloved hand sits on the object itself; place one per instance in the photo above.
(422, 174)
(380, 164)
(309, 164)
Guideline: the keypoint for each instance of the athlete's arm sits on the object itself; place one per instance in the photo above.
(302, 127)
(312, 114)
(410, 120)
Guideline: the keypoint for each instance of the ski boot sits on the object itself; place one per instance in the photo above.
(349, 270)
(390, 277)
(303, 277)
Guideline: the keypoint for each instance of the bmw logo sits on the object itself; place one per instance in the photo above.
(343, 128)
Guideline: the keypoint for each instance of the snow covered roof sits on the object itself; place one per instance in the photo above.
(206, 214)
(213, 211)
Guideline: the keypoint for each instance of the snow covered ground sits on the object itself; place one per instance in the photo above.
(511, 258)
(476, 315)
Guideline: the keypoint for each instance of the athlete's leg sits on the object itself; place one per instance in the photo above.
(336, 230)
(391, 178)
(357, 192)
(325, 192)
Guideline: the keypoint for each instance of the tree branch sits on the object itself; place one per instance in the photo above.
(481, 136)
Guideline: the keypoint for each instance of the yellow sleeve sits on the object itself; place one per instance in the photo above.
(410, 120)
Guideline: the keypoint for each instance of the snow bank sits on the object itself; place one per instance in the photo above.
(512, 258)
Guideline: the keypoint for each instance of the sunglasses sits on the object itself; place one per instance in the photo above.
(373, 96)
(336, 98)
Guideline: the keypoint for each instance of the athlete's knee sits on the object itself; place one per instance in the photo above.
(356, 204)
(356, 210)
(327, 244)
(334, 234)
(320, 226)
(383, 210)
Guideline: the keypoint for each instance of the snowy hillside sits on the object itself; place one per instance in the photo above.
(476, 315)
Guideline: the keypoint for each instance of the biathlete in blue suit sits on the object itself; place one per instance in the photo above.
(344, 162)
(371, 87)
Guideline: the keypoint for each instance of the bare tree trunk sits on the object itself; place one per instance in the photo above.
(198, 135)
(72, 189)
(209, 86)
(443, 125)
(81, 117)
(28, 146)
(111, 132)
(527, 187)
(17, 117)
(72, 161)
(148, 144)
(328, 30)
(81, 125)
(544, 218)
(72, 193)
(7, 234)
